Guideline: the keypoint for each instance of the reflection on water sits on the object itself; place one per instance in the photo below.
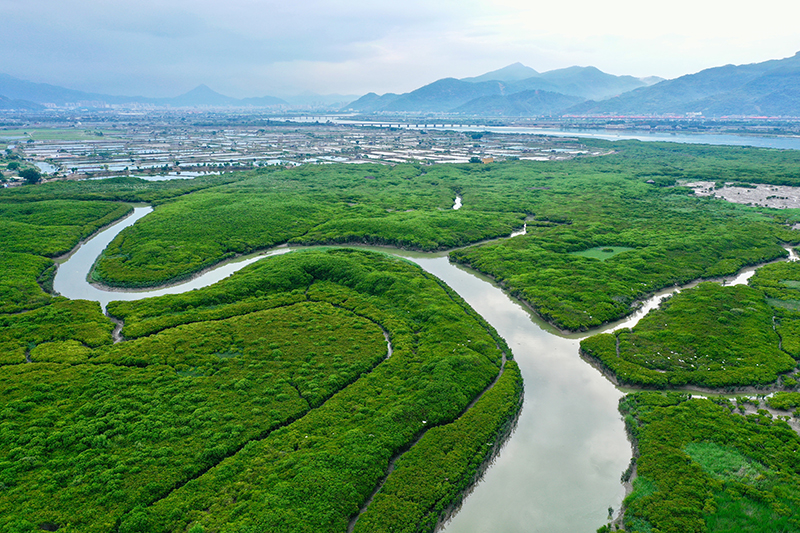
(70, 279)
(45, 168)
(560, 470)
(781, 142)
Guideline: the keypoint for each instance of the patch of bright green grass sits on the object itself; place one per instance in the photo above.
(785, 304)
(602, 252)
(723, 462)
(736, 513)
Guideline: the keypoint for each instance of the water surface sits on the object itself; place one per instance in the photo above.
(560, 470)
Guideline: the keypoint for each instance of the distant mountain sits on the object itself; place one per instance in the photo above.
(525, 103)
(495, 89)
(371, 102)
(769, 88)
(18, 105)
(587, 82)
(651, 80)
(43, 93)
(200, 96)
(443, 95)
(515, 72)
(203, 96)
(590, 82)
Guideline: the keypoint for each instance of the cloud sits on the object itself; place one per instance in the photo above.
(249, 47)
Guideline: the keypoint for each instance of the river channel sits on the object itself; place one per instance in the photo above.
(559, 471)
(787, 142)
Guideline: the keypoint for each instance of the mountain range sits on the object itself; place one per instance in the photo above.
(771, 88)
(28, 95)
(572, 85)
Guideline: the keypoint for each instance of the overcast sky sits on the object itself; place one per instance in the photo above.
(255, 48)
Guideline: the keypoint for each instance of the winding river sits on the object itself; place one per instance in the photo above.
(560, 470)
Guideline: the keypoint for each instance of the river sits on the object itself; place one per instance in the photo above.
(788, 142)
(559, 471)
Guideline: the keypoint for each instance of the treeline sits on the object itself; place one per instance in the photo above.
(123, 189)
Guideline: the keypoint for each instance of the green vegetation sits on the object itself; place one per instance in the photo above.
(32, 233)
(784, 400)
(63, 320)
(779, 282)
(604, 203)
(53, 134)
(668, 236)
(602, 252)
(433, 475)
(277, 373)
(711, 336)
(403, 206)
(676, 239)
(19, 289)
(704, 468)
(266, 402)
(124, 189)
(30, 175)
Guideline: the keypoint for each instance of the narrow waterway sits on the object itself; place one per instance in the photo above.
(71, 277)
(560, 470)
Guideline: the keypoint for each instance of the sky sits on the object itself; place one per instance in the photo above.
(247, 48)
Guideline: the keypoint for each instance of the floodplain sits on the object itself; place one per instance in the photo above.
(271, 400)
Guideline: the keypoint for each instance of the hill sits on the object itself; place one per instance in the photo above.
(514, 72)
(9, 104)
(768, 88)
(44, 93)
(469, 95)
(525, 103)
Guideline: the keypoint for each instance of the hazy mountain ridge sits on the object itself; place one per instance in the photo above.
(513, 72)
(467, 95)
(18, 105)
(524, 103)
(43, 93)
(768, 88)
(444, 95)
